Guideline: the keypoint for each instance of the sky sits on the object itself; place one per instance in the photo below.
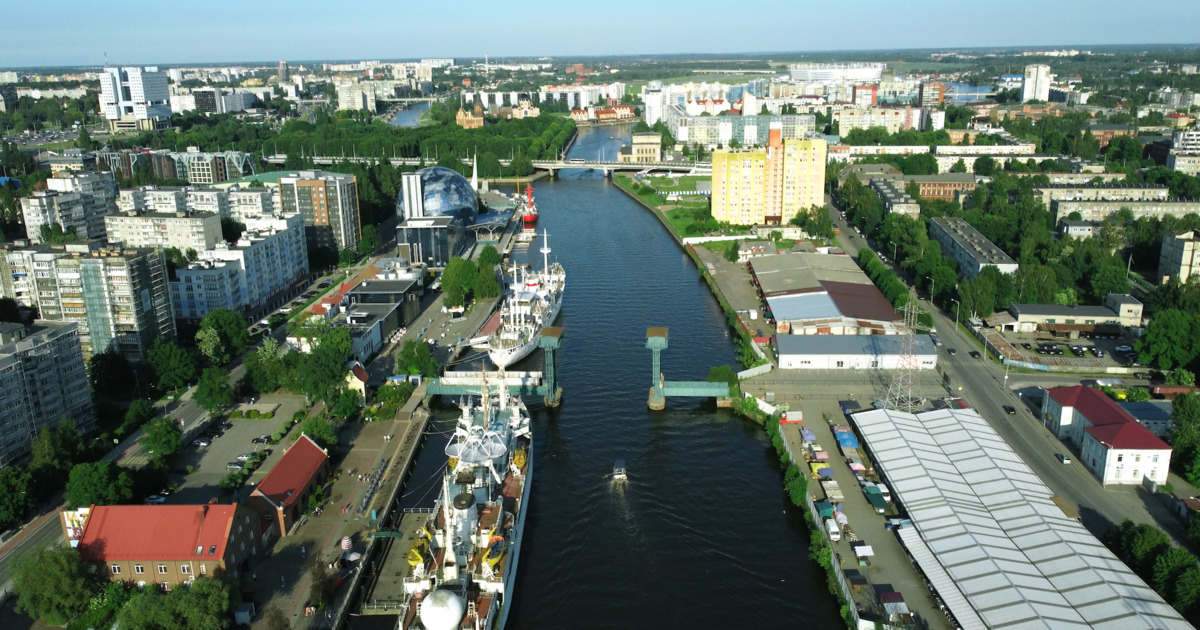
(141, 32)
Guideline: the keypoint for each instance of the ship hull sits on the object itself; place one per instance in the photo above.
(504, 357)
(510, 577)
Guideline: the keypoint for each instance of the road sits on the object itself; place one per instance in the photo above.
(984, 385)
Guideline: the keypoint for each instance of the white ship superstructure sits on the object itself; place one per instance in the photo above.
(531, 303)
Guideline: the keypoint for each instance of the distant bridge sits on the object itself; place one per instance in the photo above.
(554, 166)
(412, 99)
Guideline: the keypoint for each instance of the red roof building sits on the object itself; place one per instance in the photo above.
(283, 493)
(1111, 443)
(168, 544)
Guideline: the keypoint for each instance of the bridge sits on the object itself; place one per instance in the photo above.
(661, 388)
(410, 99)
(544, 383)
(553, 166)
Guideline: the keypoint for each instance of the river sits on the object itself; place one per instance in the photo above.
(702, 536)
(410, 116)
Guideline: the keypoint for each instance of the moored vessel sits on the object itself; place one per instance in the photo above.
(531, 303)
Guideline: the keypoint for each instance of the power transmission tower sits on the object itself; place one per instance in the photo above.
(900, 395)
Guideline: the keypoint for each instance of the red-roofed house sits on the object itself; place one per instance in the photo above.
(168, 544)
(1111, 443)
(284, 492)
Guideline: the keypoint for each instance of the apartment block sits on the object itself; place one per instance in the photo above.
(895, 198)
(42, 380)
(329, 203)
(182, 230)
(1179, 256)
(768, 186)
(271, 255)
(1036, 83)
(46, 208)
(193, 165)
(135, 99)
(116, 296)
(99, 190)
(970, 249)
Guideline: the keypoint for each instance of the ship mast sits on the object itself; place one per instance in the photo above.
(545, 251)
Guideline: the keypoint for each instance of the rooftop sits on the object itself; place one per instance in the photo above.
(1057, 310)
(981, 250)
(287, 480)
(157, 532)
(869, 345)
(1111, 424)
(998, 549)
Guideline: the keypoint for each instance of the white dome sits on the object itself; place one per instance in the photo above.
(442, 610)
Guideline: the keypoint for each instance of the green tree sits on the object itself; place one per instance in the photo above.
(98, 483)
(346, 404)
(1170, 340)
(110, 374)
(393, 395)
(10, 311)
(204, 605)
(51, 584)
(163, 438)
(140, 411)
(1186, 591)
(1167, 568)
(320, 589)
(266, 370)
(1109, 279)
(1181, 377)
(959, 167)
(322, 371)
(985, 165)
(231, 334)
(213, 391)
(232, 230)
(55, 451)
(16, 495)
(208, 342)
(731, 251)
(415, 359)
(489, 256)
(487, 285)
(346, 257)
(173, 366)
(320, 431)
(368, 242)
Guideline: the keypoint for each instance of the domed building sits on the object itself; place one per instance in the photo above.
(442, 193)
(435, 205)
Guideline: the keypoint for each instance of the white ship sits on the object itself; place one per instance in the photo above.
(463, 564)
(531, 304)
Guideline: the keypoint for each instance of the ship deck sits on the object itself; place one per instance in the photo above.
(389, 587)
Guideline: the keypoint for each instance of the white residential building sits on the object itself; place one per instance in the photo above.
(182, 230)
(1036, 84)
(70, 210)
(1112, 445)
(271, 255)
(250, 203)
(135, 98)
(42, 381)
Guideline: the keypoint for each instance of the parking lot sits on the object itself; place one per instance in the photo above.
(1098, 352)
(210, 462)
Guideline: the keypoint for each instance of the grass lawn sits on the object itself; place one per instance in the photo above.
(677, 184)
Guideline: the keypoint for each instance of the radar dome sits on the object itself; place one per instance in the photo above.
(442, 610)
(445, 193)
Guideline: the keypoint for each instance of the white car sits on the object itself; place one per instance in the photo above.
(155, 499)
(1123, 349)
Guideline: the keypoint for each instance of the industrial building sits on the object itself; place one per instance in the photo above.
(895, 198)
(1119, 310)
(1112, 445)
(851, 352)
(970, 249)
(988, 536)
(821, 294)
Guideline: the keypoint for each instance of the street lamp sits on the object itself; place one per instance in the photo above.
(893, 251)
(932, 283)
(957, 306)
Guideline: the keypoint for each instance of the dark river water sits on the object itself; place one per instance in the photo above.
(702, 535)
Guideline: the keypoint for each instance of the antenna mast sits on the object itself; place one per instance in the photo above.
(900, 395)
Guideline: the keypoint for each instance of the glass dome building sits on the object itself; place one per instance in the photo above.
(443, 193)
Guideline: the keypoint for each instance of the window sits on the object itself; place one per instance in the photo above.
(1137, 458)
(1154, 459)
(162, 568)
(1120, 458)
(185, 569)
(139, 569)
(116, 569)
(203, 570)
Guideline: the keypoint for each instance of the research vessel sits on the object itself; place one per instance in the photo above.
(531, 303)
(463, 563)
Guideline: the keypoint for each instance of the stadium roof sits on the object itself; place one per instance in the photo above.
(995, 536)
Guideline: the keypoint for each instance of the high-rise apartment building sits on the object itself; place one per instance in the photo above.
(42, 381)
(182, 230)
(329, 203)
(45, 209)
(931, 94)
(768, 186)
(117, 296)
(271, 255)
(1036, 84)
(283, 72)
(864, 95)
(135, 99)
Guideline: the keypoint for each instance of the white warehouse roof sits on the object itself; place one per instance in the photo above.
(992, 527)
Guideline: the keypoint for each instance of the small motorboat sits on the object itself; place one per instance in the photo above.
(619, 471)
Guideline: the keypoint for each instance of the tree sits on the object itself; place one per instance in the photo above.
(346, 257)
(1186, 590)
(140, 411)
(265, 368)
(985, 165)
(230, 329)
(320, 590)
(98, 483)
(173, 366)
(1169, 566)
(203, 605)
(1181, 377)
(55, 451)
(232, 230)
(489, 256)
(347, 402)
(10, 311)
(959, 167)
(163, 438)
(393, 395)
(414, 358)
(16, 495)
(208, 341)
(1169, 341)
(486, 284)
(1109, 279)
(368, 242)
(51, 584)
(213, 391)
(322, 371)
(110, 374)
(320, 431)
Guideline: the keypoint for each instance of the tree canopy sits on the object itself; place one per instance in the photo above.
(174, 367)
(51, 584)
(213, 392)
(98, 483)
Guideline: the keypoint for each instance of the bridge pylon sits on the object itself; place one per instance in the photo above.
(550, 341)
(656, 341)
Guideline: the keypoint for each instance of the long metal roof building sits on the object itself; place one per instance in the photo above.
(991, 541)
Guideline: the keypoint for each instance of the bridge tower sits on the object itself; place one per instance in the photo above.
(550, 341)
(656, 341)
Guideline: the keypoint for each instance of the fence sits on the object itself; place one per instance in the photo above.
(836, 563)
(755, 371)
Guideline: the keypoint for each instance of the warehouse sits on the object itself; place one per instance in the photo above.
(851, 352)
(821, 294)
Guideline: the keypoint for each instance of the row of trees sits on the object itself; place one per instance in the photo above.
(463, 277)
(1173, 572)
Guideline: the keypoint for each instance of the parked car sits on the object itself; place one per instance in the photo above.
(244, 456)
(1124, 348)
(1027, 346)
(1142, 375)
(1063, 458)
(935, 339)
(262, 439)
(202, 442)
(975, 354)
(155, 499)
(1010, 410)
(234, 466)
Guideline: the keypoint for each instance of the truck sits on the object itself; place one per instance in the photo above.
(875, 498)
(831, 528)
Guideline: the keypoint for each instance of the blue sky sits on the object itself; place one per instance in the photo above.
(78, 32)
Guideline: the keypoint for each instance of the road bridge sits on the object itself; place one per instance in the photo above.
(553, 166)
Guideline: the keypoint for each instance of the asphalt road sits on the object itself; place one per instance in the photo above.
(984, 385)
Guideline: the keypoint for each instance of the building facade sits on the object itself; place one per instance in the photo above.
(644, 148)
(99, 192)
(329, 204)
(931, 94)
(182, 230)
(1036, 83)
(135, 99)
(118, 297)
(970, 249)
(42, 381)
(768, 186)
(45, 209)
(1179, 256)
(1112, 445)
